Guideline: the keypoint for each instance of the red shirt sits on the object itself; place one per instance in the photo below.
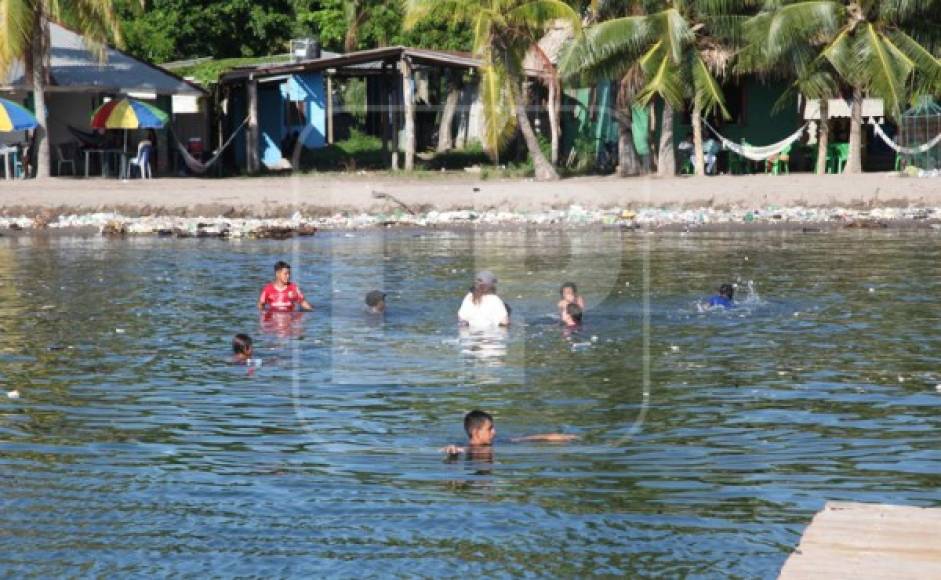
(281, 300)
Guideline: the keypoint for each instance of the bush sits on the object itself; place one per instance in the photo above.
(360, 151)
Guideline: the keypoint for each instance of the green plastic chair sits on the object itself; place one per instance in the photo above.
(738, 165)
(782, 162)
(837, 155)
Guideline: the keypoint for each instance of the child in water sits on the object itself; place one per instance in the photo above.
(572, 316)
(376, 302)
(569, 294)
(282, 295)
(242, 348)
(481, 432)
(724, 298)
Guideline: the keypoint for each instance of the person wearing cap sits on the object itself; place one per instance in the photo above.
(482, 307)
(376, 302)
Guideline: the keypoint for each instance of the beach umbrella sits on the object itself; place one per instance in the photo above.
(128, 114)
(14, 117)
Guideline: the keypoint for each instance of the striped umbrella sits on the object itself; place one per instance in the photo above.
(128, 114)
(15, 117)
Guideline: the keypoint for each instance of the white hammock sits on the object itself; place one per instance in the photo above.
(758, 153)
(906, 150)
(195, 165)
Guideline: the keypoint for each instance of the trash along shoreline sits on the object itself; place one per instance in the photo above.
(771, 218)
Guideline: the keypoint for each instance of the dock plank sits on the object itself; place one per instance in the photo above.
(856, 540)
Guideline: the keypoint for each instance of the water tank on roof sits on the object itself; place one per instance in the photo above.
(305, 49)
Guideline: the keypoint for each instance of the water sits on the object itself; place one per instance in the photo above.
(135, 447)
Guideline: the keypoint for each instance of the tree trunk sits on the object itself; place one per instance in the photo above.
(854, 163)
(700, 163)
(823, 136)
(554, 90)
(544, 170)
(666, 166)
(408, 96)
(628, 164)
(447, 114)
(40, 68)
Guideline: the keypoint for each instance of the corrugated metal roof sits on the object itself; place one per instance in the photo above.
(73, 67)
(360, 59)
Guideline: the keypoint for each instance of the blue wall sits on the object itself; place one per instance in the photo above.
(272, 110)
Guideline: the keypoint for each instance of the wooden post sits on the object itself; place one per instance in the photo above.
(408, 96)
(251, 139)
(329, 108)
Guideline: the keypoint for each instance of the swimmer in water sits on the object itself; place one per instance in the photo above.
(376, 302)
(481, 432)
(482, 307)
(724, 298)
(282, 295)
(242, 348)
(572, 316)
(569, 295)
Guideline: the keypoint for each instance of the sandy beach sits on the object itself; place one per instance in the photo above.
(325, 195)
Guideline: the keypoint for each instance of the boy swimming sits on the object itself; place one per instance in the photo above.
(481, 432)
(724, 298)
(569, 295)
(376, 302)
(282, 295)
(242, 348)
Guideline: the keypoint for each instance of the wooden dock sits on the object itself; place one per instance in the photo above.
(857, 540)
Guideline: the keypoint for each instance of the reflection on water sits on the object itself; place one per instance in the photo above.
(134, 435)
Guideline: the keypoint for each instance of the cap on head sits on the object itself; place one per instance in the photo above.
(374, 298)
(485, 278)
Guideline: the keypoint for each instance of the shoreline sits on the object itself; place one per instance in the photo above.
(280, 207)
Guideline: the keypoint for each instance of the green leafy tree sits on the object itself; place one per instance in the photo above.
(885, 49)
(504, 30)
(25, 36)
(676, 48)
(178, 29)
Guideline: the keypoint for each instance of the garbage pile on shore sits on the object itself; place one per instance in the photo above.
(113, 224)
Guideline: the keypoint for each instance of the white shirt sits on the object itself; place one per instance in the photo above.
(491, 311)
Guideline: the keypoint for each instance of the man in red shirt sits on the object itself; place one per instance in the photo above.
(282, 295)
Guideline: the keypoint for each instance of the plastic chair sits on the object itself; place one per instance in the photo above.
(780, 161)
(142, 161)
(687, 167)
(63, 159)
(739, 165)
(837, 156)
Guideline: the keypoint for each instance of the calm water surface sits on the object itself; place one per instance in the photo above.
(706, 443)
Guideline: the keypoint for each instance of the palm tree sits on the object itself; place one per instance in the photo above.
(679, 50)
(861, 46)
(25, 26)
(504, 30)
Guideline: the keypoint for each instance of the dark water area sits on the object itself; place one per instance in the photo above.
(707, 440)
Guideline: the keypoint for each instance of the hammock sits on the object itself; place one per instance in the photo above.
(906, 150)
(199, 167)
(758, 153)
(92, 140)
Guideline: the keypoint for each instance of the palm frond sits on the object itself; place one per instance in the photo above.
(16, 24)
(621, 39)
(706, 89)
(535, 15)
(800, 23)
(498, 108)
(927, 79)
(883, 68)
(674, 31)
(663, 78)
